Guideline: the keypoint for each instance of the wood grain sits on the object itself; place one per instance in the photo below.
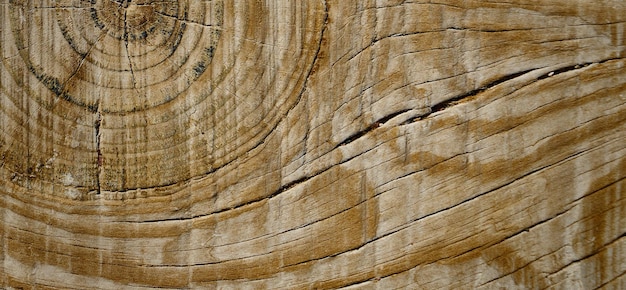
(316, 144)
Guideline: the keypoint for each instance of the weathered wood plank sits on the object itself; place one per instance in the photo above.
(323, 144)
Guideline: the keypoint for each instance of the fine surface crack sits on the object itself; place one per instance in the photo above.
(130, 61)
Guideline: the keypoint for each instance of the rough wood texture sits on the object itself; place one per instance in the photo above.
(320, 144)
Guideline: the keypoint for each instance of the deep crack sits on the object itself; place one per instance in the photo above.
(97, 125)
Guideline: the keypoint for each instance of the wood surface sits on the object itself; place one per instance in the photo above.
(318, 144)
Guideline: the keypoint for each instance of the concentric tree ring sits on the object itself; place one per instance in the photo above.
(142, 94)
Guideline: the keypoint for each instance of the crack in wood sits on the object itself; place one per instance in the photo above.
(619, 276)
(589, 255)
(188, 21)
(370, 128)
(84, 58)
(433, 109)
(99, 160)
(125, 38)
(458, 99)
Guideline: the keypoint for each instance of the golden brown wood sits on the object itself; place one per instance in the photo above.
(312, 144)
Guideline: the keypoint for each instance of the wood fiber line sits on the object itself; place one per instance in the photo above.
(324, 144)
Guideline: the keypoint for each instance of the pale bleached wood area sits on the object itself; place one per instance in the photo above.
(318, 144)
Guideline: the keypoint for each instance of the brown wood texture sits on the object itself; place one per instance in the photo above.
(312, 144)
